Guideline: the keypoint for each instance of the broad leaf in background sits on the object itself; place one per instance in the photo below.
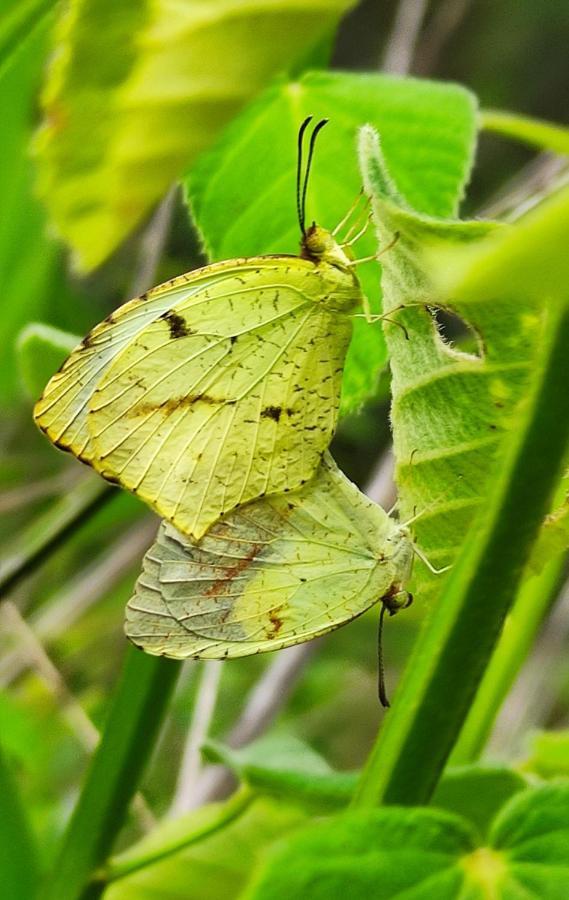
(137, 89)
(41, 350)
(425, 853)
(477, 792)
(31, 270)
(243, 196)
(449, 408)
(284, 766)
(211, 862)
(549, 755)
(17, 19)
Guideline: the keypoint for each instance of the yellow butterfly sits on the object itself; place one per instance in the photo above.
(278, 572)
(218, 387)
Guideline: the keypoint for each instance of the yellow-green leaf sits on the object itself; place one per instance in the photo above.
(137, 89)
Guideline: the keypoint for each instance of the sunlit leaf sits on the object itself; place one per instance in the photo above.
(137, 89)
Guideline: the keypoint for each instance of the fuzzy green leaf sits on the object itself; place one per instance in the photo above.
(422, 853)
(380, 854)
(461, 631)
(449, 408)
(133, 95)
(243, 195)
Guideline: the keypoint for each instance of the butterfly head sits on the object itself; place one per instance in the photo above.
(319, 245)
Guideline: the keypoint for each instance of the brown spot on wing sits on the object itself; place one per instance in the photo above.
(271, 412)
(176, 324)
(232, 571)
(276, 622)
(173, 403)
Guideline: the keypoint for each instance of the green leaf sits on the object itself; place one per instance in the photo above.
(282, 765)
(449, 409)
(535, 132)
(530, 838)
(18, 18)
(381, 854)
(477, 792)
(553, 538)
(243, 196)
(549, 755)
(18, 853)
(462, 629)
(41, 351)
(207, 854)
(132, 97)
(31, 271)
(423, 854)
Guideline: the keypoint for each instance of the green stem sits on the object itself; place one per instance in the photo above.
(50, 530)
(522, 626)
(535, 132)
(146, 853)
(459, 636)
(18, 854)
(137, 710)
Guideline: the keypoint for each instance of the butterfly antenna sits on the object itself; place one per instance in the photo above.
(313, 136)
(381, 689)
(299, 209)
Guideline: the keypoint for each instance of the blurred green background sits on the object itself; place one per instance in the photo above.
(61, 644)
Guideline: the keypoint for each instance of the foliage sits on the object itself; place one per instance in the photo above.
(153, 105)
(244, 174)
(332, 799)
(387, 852)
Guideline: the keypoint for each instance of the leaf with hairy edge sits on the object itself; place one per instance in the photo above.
(449, 408)
(242, 191)
(137, 89)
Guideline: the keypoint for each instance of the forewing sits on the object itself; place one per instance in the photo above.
(230, 395)
(61, 411)
(279, 572)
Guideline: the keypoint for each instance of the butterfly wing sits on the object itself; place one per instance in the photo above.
(279, 572)
(61, 411)
(229, 395)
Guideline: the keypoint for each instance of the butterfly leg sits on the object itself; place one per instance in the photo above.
(426, 561)
(352, 240)
(349, 214)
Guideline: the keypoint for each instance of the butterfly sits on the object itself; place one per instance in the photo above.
(218, 387)
(280, 571)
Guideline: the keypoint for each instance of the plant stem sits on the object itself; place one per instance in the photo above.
(18, 855)
(530, 607)
(145, 854)
(527, 130)
(459, 636)
(50, 530)
(137, 710)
